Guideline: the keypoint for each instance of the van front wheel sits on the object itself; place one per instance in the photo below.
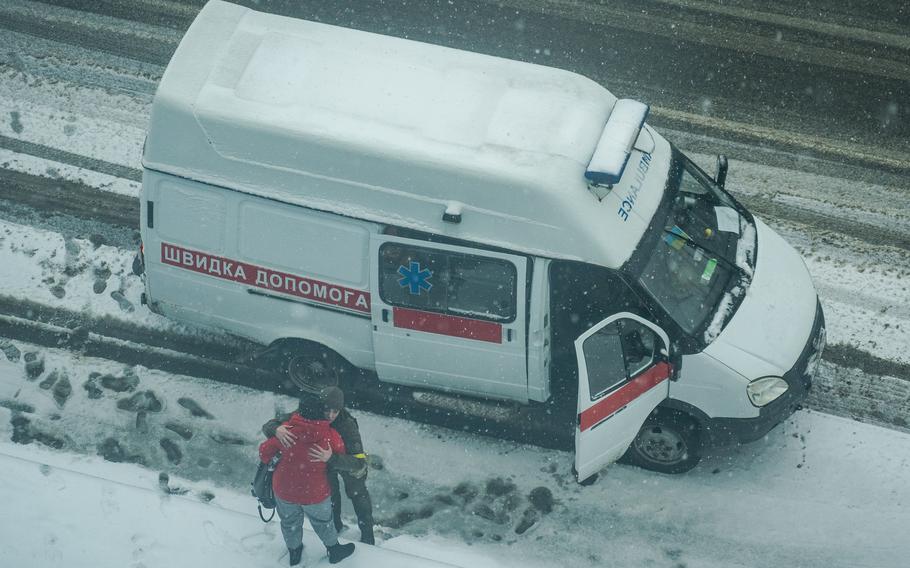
(668, 442)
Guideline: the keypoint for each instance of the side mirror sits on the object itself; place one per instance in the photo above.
(722, 166)
(674, 358)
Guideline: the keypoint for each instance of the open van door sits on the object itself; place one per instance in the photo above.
(623, 374)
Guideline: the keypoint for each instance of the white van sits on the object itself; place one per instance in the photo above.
(458, 222)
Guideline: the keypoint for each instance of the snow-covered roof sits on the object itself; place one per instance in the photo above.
(389, 130)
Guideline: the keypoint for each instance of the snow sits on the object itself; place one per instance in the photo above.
(877, 312)
(384, 129)
(615, 144)
(86, 512)
(112, 128)
(723, 312)
(863, 288)
(745, 248)
(59, 115)
(352, 87)
(745, 254)
(56, 170)
(36, 261)
(45, 268)
(816, 491)
(846, 506)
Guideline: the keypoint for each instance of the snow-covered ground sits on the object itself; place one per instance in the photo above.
(817, 491)
(83, 511)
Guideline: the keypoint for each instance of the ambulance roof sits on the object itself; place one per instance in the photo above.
(389, 130)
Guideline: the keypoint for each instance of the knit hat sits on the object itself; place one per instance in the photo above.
(332, 398)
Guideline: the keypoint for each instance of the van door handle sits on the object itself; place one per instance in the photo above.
(385, 315)
(509, 334)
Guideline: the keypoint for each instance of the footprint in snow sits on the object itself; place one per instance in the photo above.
(174, 455)
(125, 305)
(34, 364)
(144, 400)
(10, 351)
(194, 408)
(256, 542)
(184, 432)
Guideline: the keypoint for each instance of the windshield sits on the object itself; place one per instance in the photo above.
(699, 259)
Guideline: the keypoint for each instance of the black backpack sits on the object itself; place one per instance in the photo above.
(261, 487)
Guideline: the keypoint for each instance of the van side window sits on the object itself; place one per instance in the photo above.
(449, 282)
(617, 353)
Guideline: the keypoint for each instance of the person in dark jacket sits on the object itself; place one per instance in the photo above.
(351, 466)
(301, 484)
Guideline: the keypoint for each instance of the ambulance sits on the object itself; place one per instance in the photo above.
(477, 227)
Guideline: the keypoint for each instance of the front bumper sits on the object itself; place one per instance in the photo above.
(724, 431)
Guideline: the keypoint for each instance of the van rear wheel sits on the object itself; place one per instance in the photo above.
(311, 368)
(668, 442)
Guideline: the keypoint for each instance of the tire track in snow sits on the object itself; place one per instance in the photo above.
(675, 24)
(70, 158)
(143, 42)
(41, 59)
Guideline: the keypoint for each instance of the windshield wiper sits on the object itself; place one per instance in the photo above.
(687, 239)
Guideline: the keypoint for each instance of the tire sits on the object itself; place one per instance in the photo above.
(668, 442)
(311, 368)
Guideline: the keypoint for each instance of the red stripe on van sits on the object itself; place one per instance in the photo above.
(626, 394)
(310, 289)
(447, 325)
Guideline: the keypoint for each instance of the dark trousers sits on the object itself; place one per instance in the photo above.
(356, 490)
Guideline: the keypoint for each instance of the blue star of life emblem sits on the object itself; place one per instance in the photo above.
(414, 278)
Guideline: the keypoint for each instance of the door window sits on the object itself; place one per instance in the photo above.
(446, 281)
(618, 352)
(639, 347)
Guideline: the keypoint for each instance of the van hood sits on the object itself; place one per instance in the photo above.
(772, 325)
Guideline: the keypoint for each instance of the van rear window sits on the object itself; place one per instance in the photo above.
(449, 282)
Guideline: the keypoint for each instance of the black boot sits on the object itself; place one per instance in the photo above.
(295, 555)
(339, 552)
(366, 533)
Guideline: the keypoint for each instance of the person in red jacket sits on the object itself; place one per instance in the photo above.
(301, 483)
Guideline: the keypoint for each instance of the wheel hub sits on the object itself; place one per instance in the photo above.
(662, 444)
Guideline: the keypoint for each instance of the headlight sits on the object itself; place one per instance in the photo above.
(764, 390)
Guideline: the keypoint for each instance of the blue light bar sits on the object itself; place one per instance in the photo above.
(616, 142)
